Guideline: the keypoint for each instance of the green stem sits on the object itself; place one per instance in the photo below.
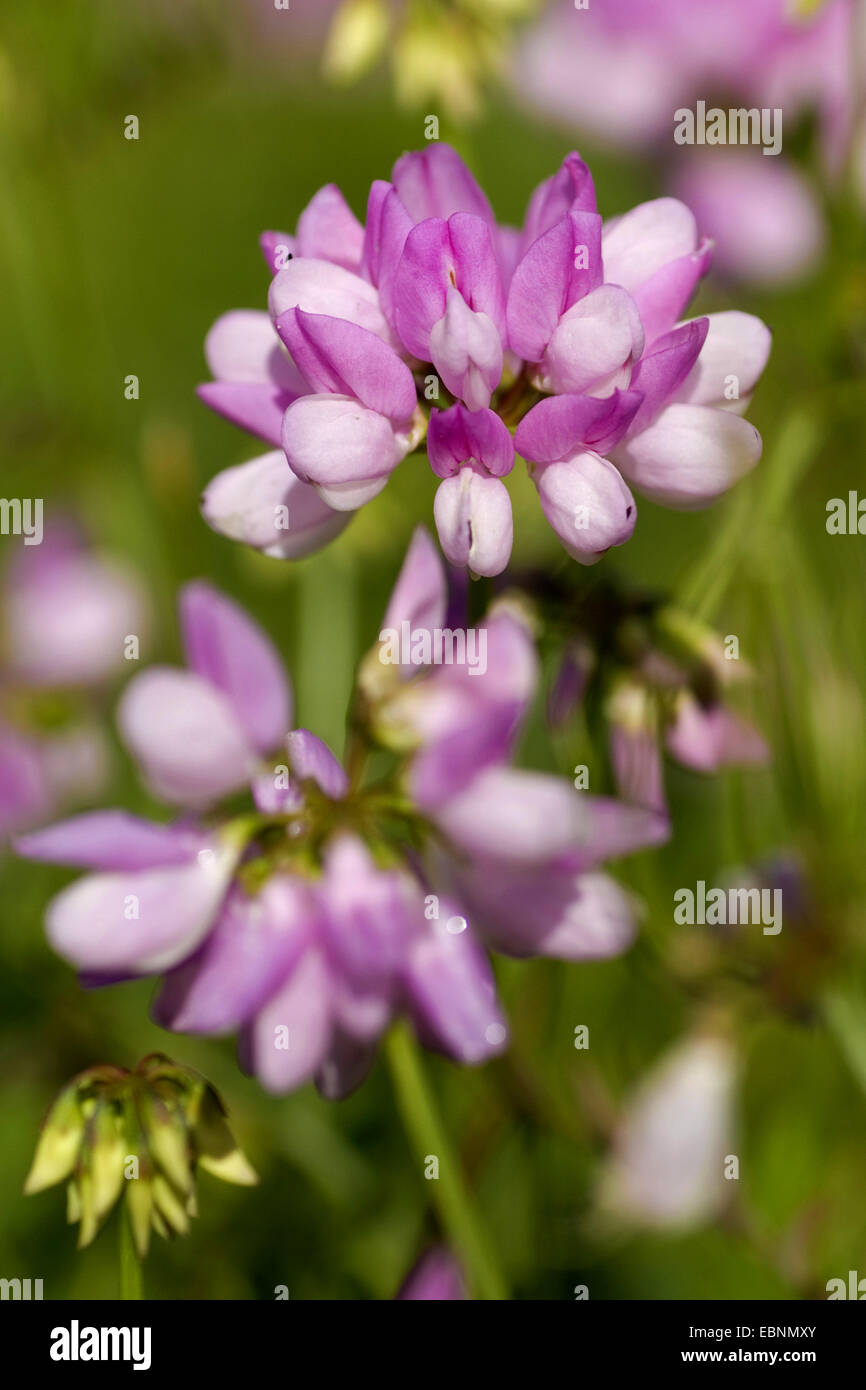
(130, 1264)
(424, 1128)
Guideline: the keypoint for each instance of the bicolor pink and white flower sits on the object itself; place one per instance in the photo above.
(433, 319)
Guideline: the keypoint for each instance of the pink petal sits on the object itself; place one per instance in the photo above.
(318, 287)
(689, 456)
(525, 816)
(328, 228)
(225, 647)
(263, 504)
(737, 346)
(244, 961)
(309, 757)
(299, 1014)
(331, 440)
(185, 735)
(111, 840)
(436, 183)
(588, 505)
(474, 521)
(342, 358)
(139, 922)
(243, 346)
(419, 595)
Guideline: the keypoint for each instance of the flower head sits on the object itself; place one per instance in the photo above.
(563, 340)
(142, 1134)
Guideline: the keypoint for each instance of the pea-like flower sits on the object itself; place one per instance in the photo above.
(337, 899)
(434, 319)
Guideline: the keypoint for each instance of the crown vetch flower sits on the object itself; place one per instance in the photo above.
(567, 330)
(308, 921)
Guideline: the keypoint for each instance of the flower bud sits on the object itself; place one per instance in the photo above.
(150, 1127)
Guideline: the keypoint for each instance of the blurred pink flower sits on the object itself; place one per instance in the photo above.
(435, 1277)
(621, 69)
(68, 612)
(666, 1169)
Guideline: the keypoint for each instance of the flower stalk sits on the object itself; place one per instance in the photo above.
(427, 1135)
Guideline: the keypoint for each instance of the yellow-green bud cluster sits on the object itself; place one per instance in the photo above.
(142, 1134)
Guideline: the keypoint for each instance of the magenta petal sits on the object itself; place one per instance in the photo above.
(328, 228)
(340, 357)
(439, 259)
(451, 994)
(244, 961)
(309, 757)
(706, 738)
(559, 426)
(226, 648)
(663, 369)
(257, 408)
(509, 813)
(436, 183)
(288, 1041)
(111, 840)
(549, 279)
(421, 282)
(457, 435)
(663, 297)
(419, 596)
(277, 249)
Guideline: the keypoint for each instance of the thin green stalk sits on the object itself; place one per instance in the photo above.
(131, 1285)
(427, 1135)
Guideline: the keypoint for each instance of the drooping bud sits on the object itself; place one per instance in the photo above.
(146, 1129)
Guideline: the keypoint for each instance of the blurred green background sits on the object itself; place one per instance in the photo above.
(115, 258)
